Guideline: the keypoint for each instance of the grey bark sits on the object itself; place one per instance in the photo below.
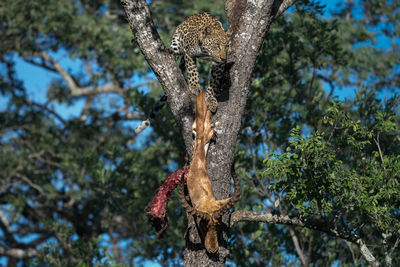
(254, 22)
(19, 253)
(163, 65)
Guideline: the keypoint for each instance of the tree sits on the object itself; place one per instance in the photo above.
(253, 20)
(327, 187)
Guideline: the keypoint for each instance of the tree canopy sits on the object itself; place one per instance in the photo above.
(319, 171)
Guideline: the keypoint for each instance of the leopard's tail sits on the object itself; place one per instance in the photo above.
(154, 112)
(235, 197)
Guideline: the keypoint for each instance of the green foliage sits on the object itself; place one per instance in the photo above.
(343, 173)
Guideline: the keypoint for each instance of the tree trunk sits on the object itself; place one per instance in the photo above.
(256, 17)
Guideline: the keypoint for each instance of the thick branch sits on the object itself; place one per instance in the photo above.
(94, 90)
(268, 217)
(162, 63)
(67, 78)
(18, 253)
(255, 20)
(281, 6)
(77, 91)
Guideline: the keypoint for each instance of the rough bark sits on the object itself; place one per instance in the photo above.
(163, 65)
(256, 17)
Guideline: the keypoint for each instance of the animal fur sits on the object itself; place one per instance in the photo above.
(204, 205)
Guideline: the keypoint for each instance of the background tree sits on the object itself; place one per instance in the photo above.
(73, 188)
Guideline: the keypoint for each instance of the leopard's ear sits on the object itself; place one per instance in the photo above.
(204, 33)
(220, 23)
(207, 31)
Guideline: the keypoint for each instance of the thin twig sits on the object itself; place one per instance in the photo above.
(379, 149)
(299, 251)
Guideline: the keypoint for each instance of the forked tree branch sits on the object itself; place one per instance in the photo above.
(163, 64)
(76, 90)
(268, 217)
(90, 92)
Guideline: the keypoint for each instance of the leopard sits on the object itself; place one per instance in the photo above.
(202, 36)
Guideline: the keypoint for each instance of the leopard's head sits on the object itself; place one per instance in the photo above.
(214, 43)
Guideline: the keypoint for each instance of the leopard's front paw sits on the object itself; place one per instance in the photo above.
(212, 103)
(195, 89)
(175, 53)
